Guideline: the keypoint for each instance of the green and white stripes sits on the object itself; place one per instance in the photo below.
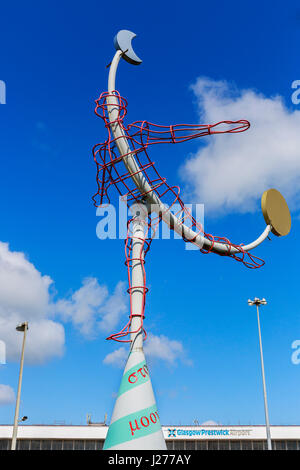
(133, 426)
(134, 377)
(135, 422)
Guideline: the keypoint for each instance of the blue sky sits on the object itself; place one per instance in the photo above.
(53, 61)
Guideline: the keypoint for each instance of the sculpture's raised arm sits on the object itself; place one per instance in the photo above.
(143, 132)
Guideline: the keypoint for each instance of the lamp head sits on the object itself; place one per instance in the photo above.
(257, 301)
(22, 326)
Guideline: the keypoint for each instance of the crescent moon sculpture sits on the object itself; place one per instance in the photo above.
(123, 163)
(122, 42)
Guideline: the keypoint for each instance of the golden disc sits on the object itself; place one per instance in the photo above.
(276, 212)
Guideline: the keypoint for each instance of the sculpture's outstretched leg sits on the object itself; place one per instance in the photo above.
(135, 423)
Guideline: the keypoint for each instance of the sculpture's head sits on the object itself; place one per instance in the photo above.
(122, 42)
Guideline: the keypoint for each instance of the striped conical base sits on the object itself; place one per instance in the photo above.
(135, 422)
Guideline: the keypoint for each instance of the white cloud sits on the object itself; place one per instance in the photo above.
(231, 171)
(24, 296)
(168, 350)
(22, 287)
(7, 395)
(91, 309)
(114, 307)
(116, 358)
(155, 347)
(45, 338)
(209, 422)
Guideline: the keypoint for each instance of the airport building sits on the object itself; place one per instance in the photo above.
(92, 436)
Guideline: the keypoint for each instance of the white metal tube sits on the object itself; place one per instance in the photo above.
(134, 406)
(143, 185)
(137, 278)
(15, 428)
(264, 383)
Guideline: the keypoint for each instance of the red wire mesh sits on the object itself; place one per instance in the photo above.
(112, 174)
(144, 246)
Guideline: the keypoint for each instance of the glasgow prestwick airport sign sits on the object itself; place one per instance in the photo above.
(204, 433)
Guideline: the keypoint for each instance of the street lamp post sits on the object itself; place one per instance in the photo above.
(22, 327)
(258, 303)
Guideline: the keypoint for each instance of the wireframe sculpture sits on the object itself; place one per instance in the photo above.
(123, 164)
(111, 172)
